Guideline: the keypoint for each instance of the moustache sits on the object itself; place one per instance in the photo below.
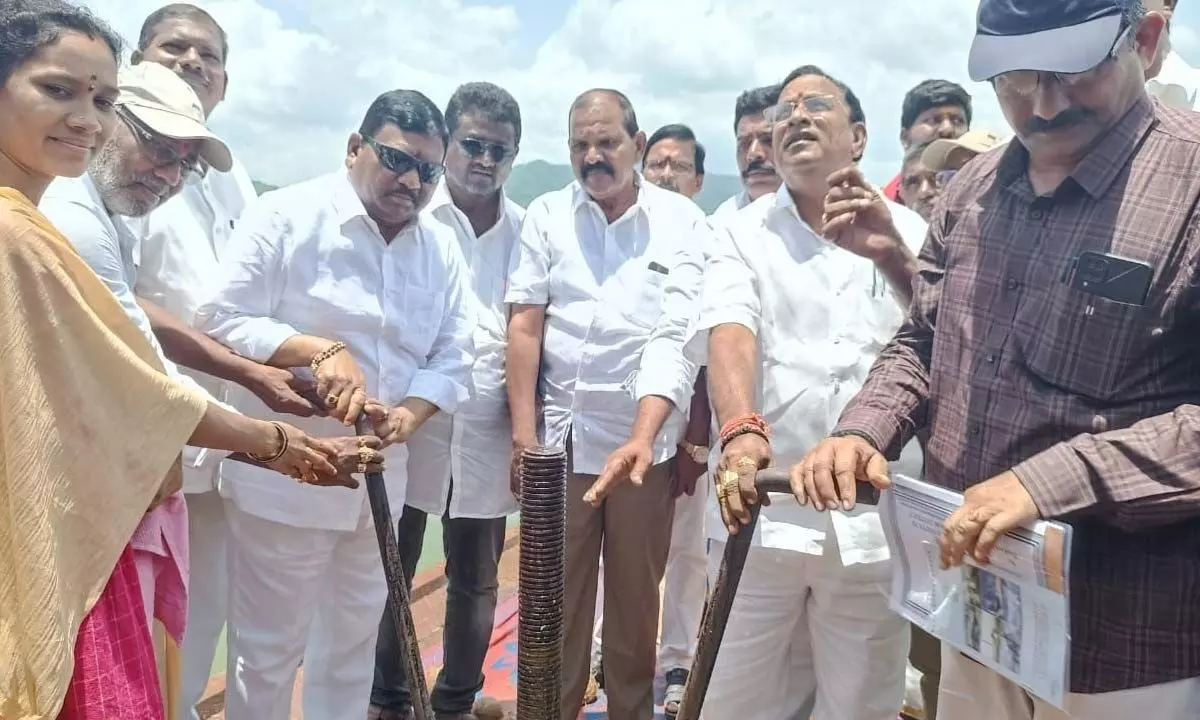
(1062, 121)
(598, 167)
(406, 193)
(157, 186)
(758, 166)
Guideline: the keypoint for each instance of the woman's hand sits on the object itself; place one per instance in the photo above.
(342, 387)
(311, 460)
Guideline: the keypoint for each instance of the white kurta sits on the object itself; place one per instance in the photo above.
(473, 446)
(308, 259)
(609, 289)
(813, 595)
(731, 205)
(181, 244)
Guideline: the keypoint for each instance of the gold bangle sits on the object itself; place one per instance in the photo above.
(325, 354)
(283, 446)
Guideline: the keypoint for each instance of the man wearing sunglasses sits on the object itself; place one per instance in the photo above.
(459, 464)
(1050, 354)
(341, 279)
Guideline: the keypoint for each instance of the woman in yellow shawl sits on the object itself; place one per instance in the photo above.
(90, 427)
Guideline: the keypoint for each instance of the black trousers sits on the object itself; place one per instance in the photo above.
(472, 547)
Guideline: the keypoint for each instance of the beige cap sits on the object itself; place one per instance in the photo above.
(939, 151)
(166, 104)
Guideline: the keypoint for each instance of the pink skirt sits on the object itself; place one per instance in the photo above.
(116, 675)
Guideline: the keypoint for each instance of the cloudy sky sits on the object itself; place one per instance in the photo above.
(302, 72)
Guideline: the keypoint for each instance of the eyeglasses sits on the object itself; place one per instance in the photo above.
(1026, 82)
(812, 104)
(396, 161)
(161, 153)
(478, 148)
(677, 167)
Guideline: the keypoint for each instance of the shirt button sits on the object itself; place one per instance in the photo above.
(973, 429)
(1012, 284)
(991, 358)
(1037, 214)
(1156, 332)
(1099, 424)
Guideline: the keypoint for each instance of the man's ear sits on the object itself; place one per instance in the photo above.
(904, 141)
(858, 141)
(639, 144)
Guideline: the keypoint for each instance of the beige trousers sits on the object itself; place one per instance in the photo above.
(971, 691)
(633, 526)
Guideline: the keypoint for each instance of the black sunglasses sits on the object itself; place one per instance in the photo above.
(478, 148)
(395, 160)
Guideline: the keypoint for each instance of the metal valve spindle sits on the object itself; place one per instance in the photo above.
(543, 497)
(720, 599)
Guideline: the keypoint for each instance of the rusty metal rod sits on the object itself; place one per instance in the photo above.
(399, 603)
(721, 594)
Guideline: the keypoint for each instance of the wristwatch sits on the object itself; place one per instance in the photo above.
(698, 453)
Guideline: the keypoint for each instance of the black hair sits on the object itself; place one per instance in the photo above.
(408, 110)
(629, 117)
(930, 94)
(682, 133)
(754, 102)
(491, 101)
(856, 112)
(27, 26)
(180, 10)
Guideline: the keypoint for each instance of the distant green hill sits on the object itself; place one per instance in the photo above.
(535, 178)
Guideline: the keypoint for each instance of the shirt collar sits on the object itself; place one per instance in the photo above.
(441, 202)
(346, 203)
(1100, 167)
(580, 197)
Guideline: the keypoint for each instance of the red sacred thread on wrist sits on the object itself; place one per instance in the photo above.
(747, 424)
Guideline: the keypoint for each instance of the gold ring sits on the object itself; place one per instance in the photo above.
(729, 482)
(331, 400)
(365, 455)
(362, 443)
(362, 468)
(745, 462)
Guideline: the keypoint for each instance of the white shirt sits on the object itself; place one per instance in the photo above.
(308, 259)
(821, 316)
(473, 447)
(181, 243)
(731, 205)
(609, 290)
(1177, 83)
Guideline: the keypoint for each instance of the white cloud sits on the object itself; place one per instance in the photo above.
(301, 80)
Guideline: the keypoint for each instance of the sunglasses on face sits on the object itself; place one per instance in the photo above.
(161, 153)
(812, 105)
(398, 162)
(1026, 82)
(478, 148)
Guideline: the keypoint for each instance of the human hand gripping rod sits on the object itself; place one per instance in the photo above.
(398, 597)
(720, 598)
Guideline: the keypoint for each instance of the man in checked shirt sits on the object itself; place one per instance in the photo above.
(1048, 396)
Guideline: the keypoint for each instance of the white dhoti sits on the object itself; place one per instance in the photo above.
(302, 593)
(807, 634)
(208, 596)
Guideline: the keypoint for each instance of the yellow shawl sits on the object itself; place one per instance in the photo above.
(89, 428)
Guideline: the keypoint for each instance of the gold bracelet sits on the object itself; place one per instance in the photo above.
(325, 354)
(283, 446)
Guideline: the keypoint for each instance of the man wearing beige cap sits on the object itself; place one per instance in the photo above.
(160, 137)
(181, 244)
(946, 157)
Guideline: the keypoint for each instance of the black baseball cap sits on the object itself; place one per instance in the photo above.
(1066, 36)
